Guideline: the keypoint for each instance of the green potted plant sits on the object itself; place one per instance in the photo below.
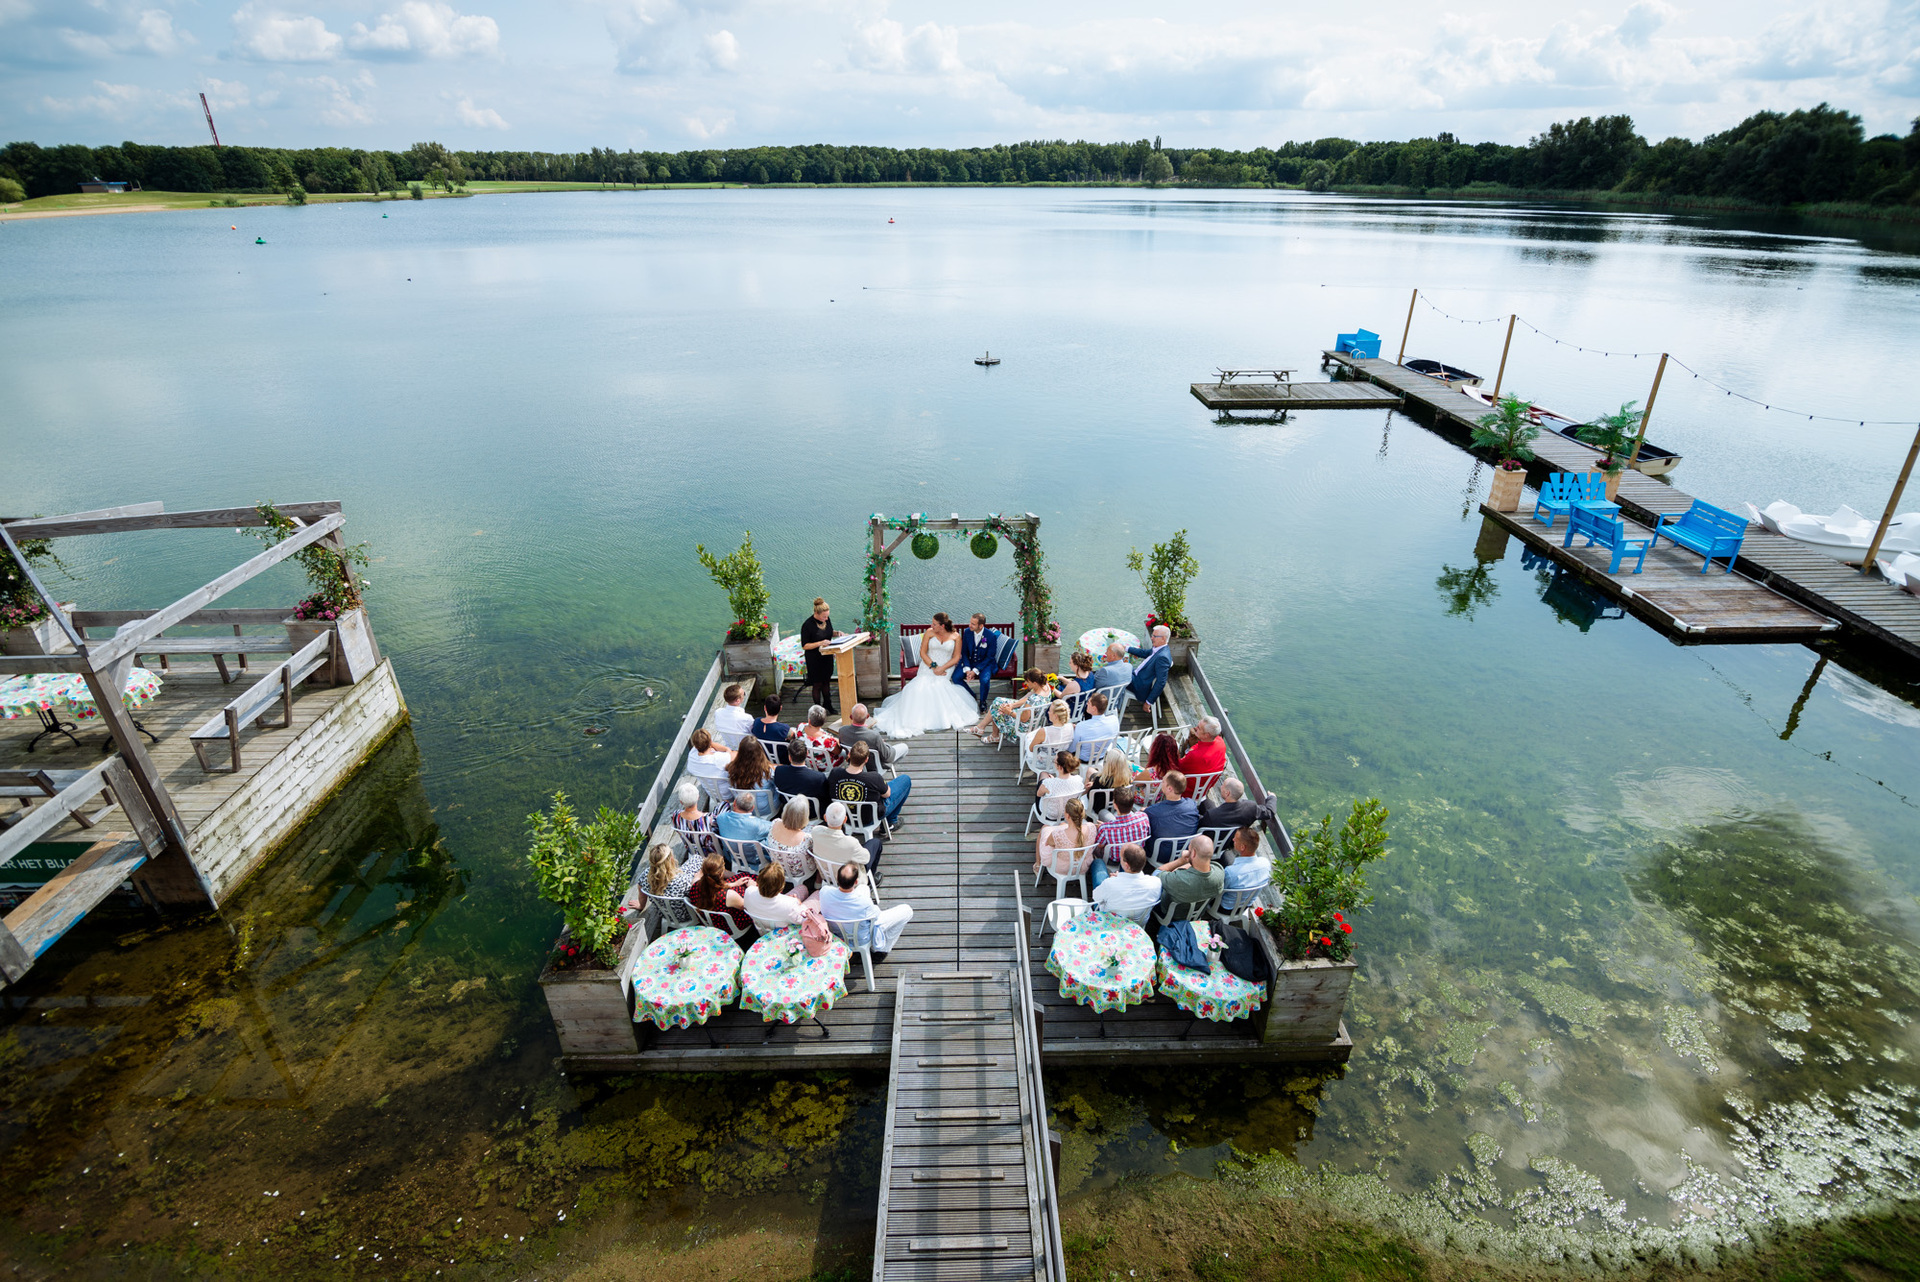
(1164, 575)
(27, 626)
(333, 602)
(1612, 434)
(1310, 923)
(749, 644)
(1509, 433)
(582, 869)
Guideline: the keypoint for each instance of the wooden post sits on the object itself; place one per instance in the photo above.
(1501, 376)
(849, 686)
(1647, 413)
(1893, 501)
(176, 861)
(1402, 358)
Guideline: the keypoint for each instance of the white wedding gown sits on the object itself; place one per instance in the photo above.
(931, 701)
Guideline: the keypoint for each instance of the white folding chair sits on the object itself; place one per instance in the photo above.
(722, 921)
(1166, 849)
(1117, 697)
(1040, 760)
(692, 841)
(857, 934)
(819, 757)
(712, 782)
(1222, 839)
(729, 741)
(1172, 912)
(742, 855)
(795, 861)
(865, 819)
(1096, 750)
(813, 803)
(1201, 785)
(828, 870)
(1061, 880)
(1036, 813)
(1077, 704)
(1233, 904)
(673, 910)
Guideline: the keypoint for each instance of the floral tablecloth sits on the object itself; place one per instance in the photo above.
(793, 663)
(1103, 961)
(1096, 640)
(780, 981)
(47, 691)
(685, 977)
(1217, 995)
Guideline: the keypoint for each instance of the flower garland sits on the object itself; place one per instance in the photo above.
(1029, 574)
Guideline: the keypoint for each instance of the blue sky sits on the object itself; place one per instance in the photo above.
(668, 74)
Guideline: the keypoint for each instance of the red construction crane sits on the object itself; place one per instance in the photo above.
(210, 129)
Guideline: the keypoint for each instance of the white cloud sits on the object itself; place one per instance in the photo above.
(419, 29)
(269, 35)
(57, 33)
(114, 102)
(479, 117)
(656, 37)
(887, 46)
(225, 94)
(340, 102)
(722, 51)
(708, 126)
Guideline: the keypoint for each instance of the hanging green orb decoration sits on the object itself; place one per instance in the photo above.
(926, 546)
(984, 545)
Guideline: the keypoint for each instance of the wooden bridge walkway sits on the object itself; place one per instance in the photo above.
(1868, 606)
(1230, 397)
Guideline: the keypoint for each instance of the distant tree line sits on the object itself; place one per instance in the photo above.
(1771, 158)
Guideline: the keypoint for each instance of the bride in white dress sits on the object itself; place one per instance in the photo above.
(931, 701)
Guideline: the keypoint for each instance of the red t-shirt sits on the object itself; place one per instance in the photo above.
(1204, 759)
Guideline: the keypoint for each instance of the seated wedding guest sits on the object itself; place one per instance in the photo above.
(731, 721)
(1131, 892)
(859, 729)
(1163, 756)
(669, 878)
(1174, 815)
(1150, 676)
(750, 772)
(694, 827)
(848, 900)
(1249, 870)
(1066, 847)
(795, 777)
(1114, 774)
(767, 902)
(1192, 878)
(818, 736)
(701, 749)
(857, 780)
(738, 822)
(768, 729)
(1007, 717)
(715, 891)
(832, 842)
(1080, 663)
(1128, 827)
(1057, 733)
(1115, 671)
(1233, 810)
(1055, 789)
(787, 843)
(1207, 752)
(1097, 729)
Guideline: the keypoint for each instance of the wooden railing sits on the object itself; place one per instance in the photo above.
(1033, 1088)
(675, 760)
(1242, 763)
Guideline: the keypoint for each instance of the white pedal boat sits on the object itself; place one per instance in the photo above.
(1845, 535)
(1903, 571)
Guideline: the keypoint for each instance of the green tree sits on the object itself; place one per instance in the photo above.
(1165, 576)
(746, 586)
(11, 192)
(1158, 169)
(1508, 432)
(1613, 434)
(582, 869)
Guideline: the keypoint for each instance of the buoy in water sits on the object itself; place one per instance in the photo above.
(259, 240)
(383, 215)
(234, 227)
(889, 220)
(988, 359)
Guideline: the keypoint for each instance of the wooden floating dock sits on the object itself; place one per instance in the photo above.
(1247, 397)
(1866, 605)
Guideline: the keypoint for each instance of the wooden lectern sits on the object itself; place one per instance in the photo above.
(841, 648)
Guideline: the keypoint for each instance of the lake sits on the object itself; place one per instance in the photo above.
(1643, 965)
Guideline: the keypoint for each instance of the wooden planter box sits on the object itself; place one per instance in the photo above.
(1042, 656)
(44, 637)
(592, 1009)
(870, 671)
(1306, 1001)
(1180, 649)
(354, 656)
(1504, 494)
(749, 658)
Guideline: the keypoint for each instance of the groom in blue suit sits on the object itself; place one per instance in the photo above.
(1150, 677)
(978, 648)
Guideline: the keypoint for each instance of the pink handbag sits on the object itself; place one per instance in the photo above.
(814, 933)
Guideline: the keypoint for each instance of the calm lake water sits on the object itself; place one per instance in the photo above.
(1643, 966)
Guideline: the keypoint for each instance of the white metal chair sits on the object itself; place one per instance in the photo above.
(857, 934)
(1040, 760)
(1166, 849)
(742, 855)
(722, 920)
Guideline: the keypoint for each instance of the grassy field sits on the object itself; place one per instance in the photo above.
(495, 188)
(146, 201)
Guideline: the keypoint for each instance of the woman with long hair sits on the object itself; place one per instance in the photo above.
(668, 878)
(931, 701)
(1066, 847)
(1009, 716)
(715, 891)
(1163, 756)
(751, 771)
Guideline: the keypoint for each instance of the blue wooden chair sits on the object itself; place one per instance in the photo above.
(1608, 532)
(1706, 529)
(1563, 489)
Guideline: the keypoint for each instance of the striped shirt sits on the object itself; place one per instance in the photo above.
(1127, 830)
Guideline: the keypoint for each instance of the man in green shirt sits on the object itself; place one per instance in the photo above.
(1193, 878)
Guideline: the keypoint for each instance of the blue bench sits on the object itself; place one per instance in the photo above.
(1359, 343)
(1608, 532)
(1563, 489)
(1711, 531)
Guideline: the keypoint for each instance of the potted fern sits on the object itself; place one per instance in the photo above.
(1612, 435)
(749, 644)
(1508, 432)
(1309, 922)
(1165, 574)
(581, 867)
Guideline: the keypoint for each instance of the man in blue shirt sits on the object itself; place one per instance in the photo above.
(1174, 815)
(1096, 732)
(738, 822)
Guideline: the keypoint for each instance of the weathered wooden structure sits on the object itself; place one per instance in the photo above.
(1244, 397)
(1866, 606)
(181, 833)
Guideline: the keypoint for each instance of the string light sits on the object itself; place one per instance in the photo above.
(1491, 320)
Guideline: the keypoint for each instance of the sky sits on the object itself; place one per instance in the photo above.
(564, 75)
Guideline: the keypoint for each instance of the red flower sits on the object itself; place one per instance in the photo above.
(1346, 928)
(1326, 941)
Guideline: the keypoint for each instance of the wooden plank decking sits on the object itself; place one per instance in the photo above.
(1868, 605)
(1294, 396)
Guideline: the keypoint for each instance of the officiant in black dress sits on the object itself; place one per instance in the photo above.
(814, 633)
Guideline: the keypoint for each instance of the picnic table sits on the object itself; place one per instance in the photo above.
(1096, 640)
(785, 985)
(48, 694)
(1217, 994)
(685, 977)
(1103, 961)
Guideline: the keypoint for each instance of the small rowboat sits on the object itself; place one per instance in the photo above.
(1445, 373)
(988, 359)
(1653, 461)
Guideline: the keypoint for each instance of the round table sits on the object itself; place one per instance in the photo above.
(1096, 640)
(793, 663)
(1218, 995)
(780, 981)
(1103, 961)
(47, 694)
(685, 977)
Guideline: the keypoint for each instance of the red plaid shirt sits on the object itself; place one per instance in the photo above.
(1126, 830)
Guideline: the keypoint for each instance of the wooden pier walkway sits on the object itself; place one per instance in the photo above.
(1868, 606)
(966, 1169)
(1232, 397)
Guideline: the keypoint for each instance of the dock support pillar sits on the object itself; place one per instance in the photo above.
(1501, 377)
(1401, 359)
(1893, 501)
(1646, 414)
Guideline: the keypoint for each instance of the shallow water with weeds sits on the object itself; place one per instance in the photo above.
(1643, 970)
